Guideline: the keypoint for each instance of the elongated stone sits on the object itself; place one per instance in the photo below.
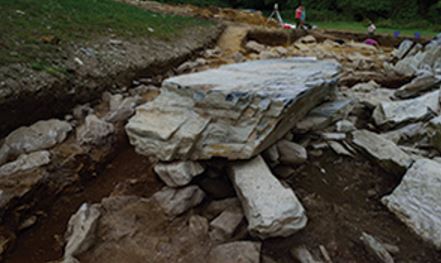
(271, 209)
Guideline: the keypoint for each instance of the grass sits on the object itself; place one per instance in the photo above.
(203, 3)
(32, 31)
(361, 27)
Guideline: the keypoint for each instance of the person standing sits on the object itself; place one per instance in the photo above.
(371, 29)
(300, 16)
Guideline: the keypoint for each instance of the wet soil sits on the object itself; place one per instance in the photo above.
(128, 173)
(342, 200)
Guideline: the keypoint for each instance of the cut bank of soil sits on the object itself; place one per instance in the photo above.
(128, 172)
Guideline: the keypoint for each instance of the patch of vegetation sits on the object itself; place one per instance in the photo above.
(203, 3)
(35, 30)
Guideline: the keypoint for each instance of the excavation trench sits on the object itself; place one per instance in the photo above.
(341, 202)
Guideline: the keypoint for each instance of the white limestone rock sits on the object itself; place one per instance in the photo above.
(177, 201)
(179, 173)
(225, 224)
(403, 49)
(271, 209)
(235, 111)
(26, 162)
(94, 131)
(384, 152)
(416, 201)
(391, 114)
(40, 136)
(420, 84)
(81, 229)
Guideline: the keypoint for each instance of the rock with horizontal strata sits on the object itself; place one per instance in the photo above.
(235, 111)
(271, 209)
(420, 84)
(391, 114)
(384, 152)
(416, 200)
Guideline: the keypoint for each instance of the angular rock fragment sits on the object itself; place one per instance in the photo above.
(433, 131)
(418, 85)
(339, 149)
(403, 49)
(94, 131)
(81, 230)
(416, 200)
(345, 126)
(271, 209)
(235, 111)
(253, 46)
(291, 153)
(26, 162)
(39, 136)
(240, 251)
(198, 225)
(122, 110)
(384, 152)
(177, 201)
(324, 115)
(179, 173)
(377, 249)
(225, 224)
(391, 114)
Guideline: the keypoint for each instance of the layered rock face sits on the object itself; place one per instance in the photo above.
(235, 111)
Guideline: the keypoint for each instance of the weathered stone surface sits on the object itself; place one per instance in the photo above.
(416, 200)
(345, 126)
(122, 109)
(272, 155)
(235, 111)
(94, 131)
(291, 153)
(433, 132)
(377, 249)
(391, 114)
(26, 162)
(225, 224)
(178, 201)
(81, 230)
(369, 94)
(324, 115)
(215, 208)
(240, 251)
(271, 209)
(339, 149)
(425, 59)
(40, 136)
(133, 229)
(405, 133)
(387, 154)
(403, 49)
(179, 173)
(418, 85)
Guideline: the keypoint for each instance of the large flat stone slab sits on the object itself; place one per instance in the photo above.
(271, 209)
(416, 201)
(235, 111)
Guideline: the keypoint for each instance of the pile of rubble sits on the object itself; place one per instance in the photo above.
(224, 142)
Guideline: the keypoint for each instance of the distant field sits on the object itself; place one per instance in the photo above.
(35, 30)
(360, 27)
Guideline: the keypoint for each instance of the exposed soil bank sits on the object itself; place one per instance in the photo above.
(27, 95)
(127, 173)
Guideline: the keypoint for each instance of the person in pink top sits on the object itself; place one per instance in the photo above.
(300, 17)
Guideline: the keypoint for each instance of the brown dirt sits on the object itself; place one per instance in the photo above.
(128, 172)
(342, 203)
